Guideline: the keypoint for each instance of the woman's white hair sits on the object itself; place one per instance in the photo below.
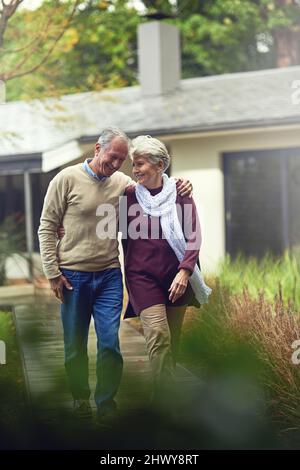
(150, 148)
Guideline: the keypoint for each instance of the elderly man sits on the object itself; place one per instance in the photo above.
(84, 269)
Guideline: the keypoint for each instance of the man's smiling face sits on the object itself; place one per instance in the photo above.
(111, 158)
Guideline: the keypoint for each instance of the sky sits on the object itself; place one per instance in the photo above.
(31, 4)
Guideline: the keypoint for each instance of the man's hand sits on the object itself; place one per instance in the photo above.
(184, 187)
(61, 232)
(57, 285)
(179, 284)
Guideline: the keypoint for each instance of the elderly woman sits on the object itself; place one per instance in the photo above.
(161, 249)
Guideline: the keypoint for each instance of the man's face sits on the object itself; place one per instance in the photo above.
(112, 157)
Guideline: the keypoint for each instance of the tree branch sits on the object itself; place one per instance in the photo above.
(8, 9)
(4, 51)
(21, 49)
(15, 72)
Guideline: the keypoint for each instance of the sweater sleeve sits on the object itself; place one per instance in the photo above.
(123, 216)
(55, 204)
(192, 232)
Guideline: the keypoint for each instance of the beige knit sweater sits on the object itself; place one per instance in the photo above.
(77, 201)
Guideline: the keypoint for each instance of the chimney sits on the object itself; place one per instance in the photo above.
(287, 47)
(159, 58)
(287, 40)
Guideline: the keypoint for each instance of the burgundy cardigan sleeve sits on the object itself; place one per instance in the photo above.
(128, 193)
(192, 232)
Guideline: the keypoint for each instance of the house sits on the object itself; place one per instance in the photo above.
(235, 136)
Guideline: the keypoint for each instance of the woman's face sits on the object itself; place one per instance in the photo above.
(146, 173)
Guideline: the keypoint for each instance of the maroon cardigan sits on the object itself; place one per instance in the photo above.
(150, 263)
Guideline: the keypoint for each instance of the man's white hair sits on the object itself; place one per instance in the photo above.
(109, 134)
(150, 148)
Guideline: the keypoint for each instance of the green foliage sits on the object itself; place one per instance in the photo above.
(97, 50)
(99, 47)
(224, 38)
(212, 348)
(241, 349)
(31, 35)
(271, 275)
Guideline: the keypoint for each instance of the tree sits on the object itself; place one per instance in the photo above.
(99, 47)
(220, 36)
(25, 46)
(97, 50)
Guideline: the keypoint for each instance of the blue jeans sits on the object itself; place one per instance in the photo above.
(99, 294)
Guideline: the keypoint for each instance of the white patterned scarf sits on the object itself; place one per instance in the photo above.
(163, 205)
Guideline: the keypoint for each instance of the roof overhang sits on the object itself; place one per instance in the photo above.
(205, 129)
(70, 151)
(60, 156)
(14, 164)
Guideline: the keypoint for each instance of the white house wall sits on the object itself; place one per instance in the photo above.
(198, 161)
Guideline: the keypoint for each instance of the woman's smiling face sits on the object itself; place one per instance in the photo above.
(148, 174)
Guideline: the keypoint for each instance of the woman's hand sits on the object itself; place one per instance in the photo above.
(179, 284)
(61, 232)
(184, 187)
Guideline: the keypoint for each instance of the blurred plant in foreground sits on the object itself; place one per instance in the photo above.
(247, 342)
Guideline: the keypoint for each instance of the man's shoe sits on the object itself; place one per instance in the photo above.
(82, 408)
(107, 414)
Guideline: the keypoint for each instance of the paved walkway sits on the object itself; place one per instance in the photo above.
(41, 342)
